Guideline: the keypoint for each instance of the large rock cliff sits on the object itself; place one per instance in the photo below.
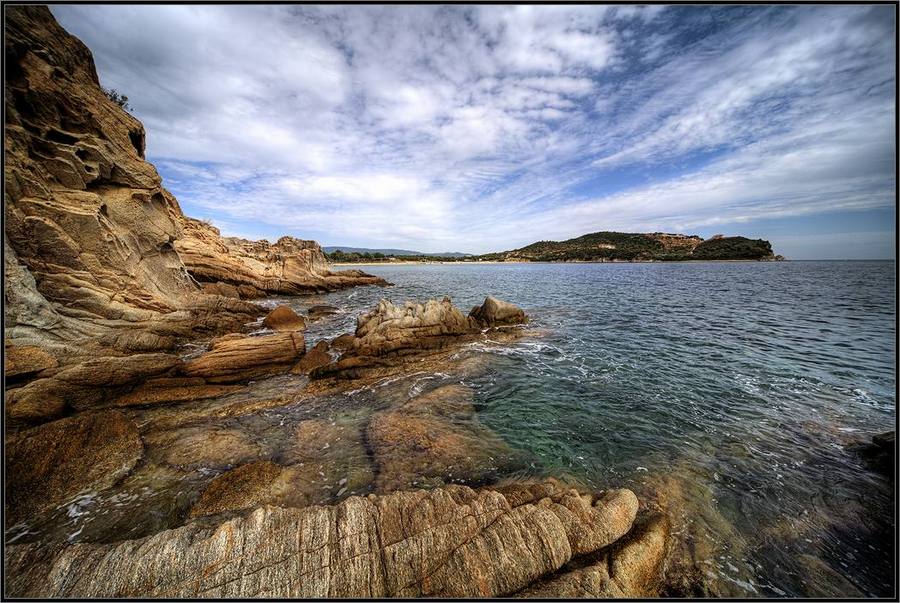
(96, 248)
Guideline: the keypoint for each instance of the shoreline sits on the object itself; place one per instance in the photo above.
(491, 262)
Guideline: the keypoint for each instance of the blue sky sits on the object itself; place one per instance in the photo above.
(484, 128)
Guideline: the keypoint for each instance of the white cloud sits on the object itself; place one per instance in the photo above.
(488, 127)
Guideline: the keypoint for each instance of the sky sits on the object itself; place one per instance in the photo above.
(486, 128)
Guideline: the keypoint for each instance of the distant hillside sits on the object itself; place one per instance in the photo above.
(393, 252)
(620, 246)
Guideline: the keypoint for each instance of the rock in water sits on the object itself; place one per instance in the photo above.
(283, 318)
(313, 359)
(49, 464)
(450, 542)
(496, 312)
(317, 312)
(435, 436)
(390, 331)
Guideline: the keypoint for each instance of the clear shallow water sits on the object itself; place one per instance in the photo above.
(731, 388)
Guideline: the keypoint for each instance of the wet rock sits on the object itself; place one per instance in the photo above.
(203, 446)
(333, 457)
(319, 311)
(497, 312)
(435, 436)
(24, 360)
(166, 393)
(451, 542)
(326, 459)
(633, 567)
(241, 488)
(390, 332)
(239, 359)
(316, 357)
(879, 453)
(283, 318)
(51, 463)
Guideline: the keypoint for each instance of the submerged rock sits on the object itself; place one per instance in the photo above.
(450, 542)
(203, 446)
(283, 318)
(879, 453)
(435, 436)
(49, 464)
(319, 311)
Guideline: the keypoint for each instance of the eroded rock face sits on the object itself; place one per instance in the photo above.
(51, 463)
(97, 249)
(86, 215)
(449, 542)
(289, 266)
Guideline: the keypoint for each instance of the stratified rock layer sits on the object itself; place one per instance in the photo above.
(449, 542)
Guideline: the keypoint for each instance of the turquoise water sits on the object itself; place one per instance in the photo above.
(746, 381)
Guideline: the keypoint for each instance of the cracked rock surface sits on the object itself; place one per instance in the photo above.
(450, 542)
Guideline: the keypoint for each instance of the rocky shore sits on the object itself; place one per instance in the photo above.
(107, 280)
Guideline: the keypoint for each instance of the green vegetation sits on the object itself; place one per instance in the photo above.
(120, 99)
(601, 247)
(733, 248)
(637, 247)
(345, 257)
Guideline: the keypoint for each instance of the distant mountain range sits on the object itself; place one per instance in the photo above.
(394, 252)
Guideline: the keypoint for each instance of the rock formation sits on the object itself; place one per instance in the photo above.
(449, 542)
(391, 331)
(96, 248)
(289, 266)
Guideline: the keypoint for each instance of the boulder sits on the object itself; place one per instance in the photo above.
(49, 464)
(451, 542)
(316, 357)
(283, 318)
(239, 359)
(495, 312)
(391, 331)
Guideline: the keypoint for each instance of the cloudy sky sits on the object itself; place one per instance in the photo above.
(475, 129)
